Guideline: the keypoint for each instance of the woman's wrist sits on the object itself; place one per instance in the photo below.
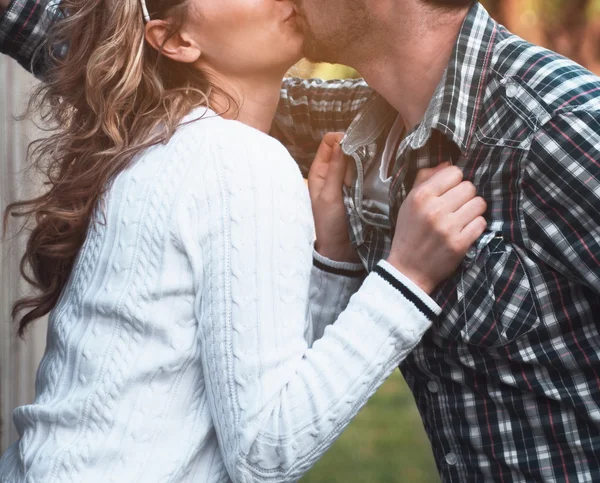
(348, 269)
(409, 289)
(418, 278)
(344, 254)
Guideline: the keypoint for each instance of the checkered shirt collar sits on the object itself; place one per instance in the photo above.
(455, 105)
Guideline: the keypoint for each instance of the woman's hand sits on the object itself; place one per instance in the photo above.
(325, 182)
(437, 224)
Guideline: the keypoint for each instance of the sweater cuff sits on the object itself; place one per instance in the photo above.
(344, 269)
(410, 290)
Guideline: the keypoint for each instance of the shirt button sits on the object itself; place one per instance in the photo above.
(433, 386)
(451, 459)
(511, 90)
(472, 253)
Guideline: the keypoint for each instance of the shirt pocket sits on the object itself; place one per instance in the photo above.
(489, 301)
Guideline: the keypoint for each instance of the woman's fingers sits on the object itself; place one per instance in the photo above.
(426, 173)
(351, 174)
(441, 181)
(321, 161)
(470, 211)
(320, 170)
(336, 172)
(325, 183)
(455, 198)
(473, 231)
(332, 138)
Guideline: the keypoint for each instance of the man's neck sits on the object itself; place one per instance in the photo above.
(411, 61)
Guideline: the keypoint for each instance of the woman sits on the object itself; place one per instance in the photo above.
(173, 251)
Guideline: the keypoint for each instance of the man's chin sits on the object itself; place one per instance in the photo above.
(315, 51)
(318, 57)
(315, 48)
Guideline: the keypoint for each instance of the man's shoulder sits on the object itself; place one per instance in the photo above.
(557, 83)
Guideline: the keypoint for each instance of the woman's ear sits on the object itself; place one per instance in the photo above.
(178, 47)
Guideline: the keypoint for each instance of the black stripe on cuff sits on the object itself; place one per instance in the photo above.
(338, 271)
(406, 292)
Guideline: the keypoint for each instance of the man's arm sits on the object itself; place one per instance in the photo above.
(24, 26)
(310, 108)
(561, 189)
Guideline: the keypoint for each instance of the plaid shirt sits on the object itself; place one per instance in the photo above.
(508, 379)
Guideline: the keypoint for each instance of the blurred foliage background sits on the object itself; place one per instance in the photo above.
(386, 443)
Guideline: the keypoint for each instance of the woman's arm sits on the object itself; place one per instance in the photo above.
(277, 404)
(331, 286)
(337, 272)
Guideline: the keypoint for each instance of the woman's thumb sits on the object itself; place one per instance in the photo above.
(337, 169)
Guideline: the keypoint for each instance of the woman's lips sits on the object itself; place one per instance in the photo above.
(292, 15)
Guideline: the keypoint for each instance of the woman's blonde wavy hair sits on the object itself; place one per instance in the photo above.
(109, 96)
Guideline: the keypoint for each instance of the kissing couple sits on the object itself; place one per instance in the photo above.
(212, 319)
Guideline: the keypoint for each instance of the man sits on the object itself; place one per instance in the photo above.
(508, 379)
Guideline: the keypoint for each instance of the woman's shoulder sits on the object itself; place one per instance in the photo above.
(235, 168)
(231, 144)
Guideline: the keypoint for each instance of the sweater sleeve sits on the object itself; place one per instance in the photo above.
(278, 404)
(331, 286)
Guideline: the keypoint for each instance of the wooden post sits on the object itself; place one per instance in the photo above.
(18, 359)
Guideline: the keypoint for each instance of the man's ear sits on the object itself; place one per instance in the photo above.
(179, 46)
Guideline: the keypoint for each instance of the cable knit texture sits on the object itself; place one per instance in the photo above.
(182, 348)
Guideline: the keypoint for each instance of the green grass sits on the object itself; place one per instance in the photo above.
(386, 443)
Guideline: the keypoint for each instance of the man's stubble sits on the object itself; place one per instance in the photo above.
(335, 30)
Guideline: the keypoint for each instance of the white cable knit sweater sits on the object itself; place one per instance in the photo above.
(180, 351)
